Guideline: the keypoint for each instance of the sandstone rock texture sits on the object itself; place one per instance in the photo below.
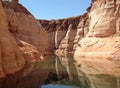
(11, 58)
(93, 36)
(61, 33)
(97, 53)
(104, 26)
(104, 18)
(101, 20)
(22, 38)
(28, 32)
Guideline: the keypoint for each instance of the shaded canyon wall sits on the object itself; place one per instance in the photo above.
(27, 31)
(11, 58)
(21, 38)
(64, 34)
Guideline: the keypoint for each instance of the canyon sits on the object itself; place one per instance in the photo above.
(92, 38)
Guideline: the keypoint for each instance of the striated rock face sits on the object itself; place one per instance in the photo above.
(11, 58)
(61, 33)
(101, 20)
(82, 29)
(104, 18)
(28, 32)
(101, 26)
(93, 36)
(95, 40)
(97, 53)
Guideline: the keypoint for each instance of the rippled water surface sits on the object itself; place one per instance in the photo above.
(61, 72)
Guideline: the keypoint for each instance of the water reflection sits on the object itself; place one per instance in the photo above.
(31, 76)
(60, 71)
(98, 73)
(84, 73)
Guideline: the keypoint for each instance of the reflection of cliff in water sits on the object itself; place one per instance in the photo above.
(97, 73)
(81, 73)
(90, 74)
(31, 76)
(62, 71)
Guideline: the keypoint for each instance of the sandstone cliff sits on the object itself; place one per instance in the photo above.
(102, 39)
(22, 38)
(94, 31)
(98, 53)
(11, 58)
(93, 35)
(61, 33)
(28, 32)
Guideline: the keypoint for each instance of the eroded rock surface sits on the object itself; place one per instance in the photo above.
(104, 18)
(61, 33)
(11, 58)
(92, 35)
(97, 53)
(103, 30)
(21, 38)
(27, 29)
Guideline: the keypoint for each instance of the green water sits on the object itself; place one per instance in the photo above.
(57, 72)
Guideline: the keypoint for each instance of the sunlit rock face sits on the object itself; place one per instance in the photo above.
(82, 30)
(101, 26)
(11, 58)
(104, 18)
(97, 54)
(28, 32)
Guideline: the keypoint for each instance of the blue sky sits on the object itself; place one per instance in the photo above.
(56, 9)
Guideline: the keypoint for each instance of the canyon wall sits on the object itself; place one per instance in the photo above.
(94, 38)
(11, 58)
(90, 34)
(28, 32)
(102, 40)
(61, 33)
(22, 38)
(97, 55)
(95, 34)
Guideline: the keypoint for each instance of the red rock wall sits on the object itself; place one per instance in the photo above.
(27, 31)
(11, 58)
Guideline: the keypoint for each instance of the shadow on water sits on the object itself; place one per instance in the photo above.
(58, 72)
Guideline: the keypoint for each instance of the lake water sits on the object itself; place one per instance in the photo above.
(59, 72)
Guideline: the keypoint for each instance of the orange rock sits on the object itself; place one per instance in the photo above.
(11, 58)
(27, 29)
